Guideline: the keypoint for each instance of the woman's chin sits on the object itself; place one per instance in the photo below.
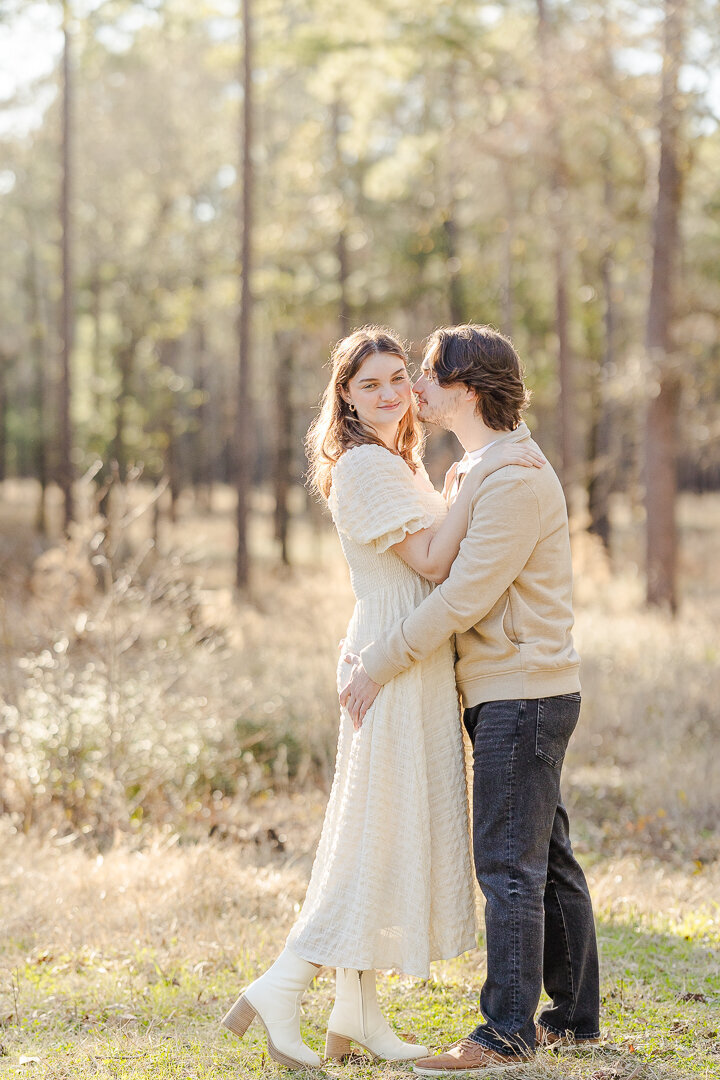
(392, 416)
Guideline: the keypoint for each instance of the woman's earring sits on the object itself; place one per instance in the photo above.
(351, 407)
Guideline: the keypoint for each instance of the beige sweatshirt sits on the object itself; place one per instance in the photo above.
(508, 597)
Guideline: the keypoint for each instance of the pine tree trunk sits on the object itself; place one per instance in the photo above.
(663, 378)
(96, 296)
(343, 272)
(118, 447)
(201, 457)
(65, 466)
(170, 420)
(506, 297)
(38, 344)
(4, 364)
(558, 214)
(244, 415)
(284, 424)
(602, 462)
(456, 308)
(341, 248)
(455, 297)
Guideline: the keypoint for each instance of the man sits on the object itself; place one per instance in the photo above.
(508, 601)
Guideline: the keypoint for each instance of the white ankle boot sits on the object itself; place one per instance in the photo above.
(356, 1017)
(275, 999)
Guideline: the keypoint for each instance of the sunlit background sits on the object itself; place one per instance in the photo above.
(182, 244)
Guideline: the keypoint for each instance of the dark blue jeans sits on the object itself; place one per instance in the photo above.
(538, 915)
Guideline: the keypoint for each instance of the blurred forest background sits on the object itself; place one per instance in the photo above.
(197, 199)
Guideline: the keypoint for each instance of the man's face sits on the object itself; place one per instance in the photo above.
(436, 404)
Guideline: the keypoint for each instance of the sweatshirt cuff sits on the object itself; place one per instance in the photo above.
(377, 664)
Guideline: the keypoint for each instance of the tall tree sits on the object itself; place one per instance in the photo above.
(39, 350)
(600, 479)
(65, 465)
(244, 417)
(506, 280)
(4, 364)
(341, 244)
(284, 434)
(202, 457)
(559, 187)
(450, 207)
(663, 375)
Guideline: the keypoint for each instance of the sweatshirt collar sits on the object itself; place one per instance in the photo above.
(522, 431)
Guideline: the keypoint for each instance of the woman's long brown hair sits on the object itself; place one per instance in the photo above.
(335, 429)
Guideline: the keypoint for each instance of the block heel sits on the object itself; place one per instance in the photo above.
(337, 1047)
(239, 1018)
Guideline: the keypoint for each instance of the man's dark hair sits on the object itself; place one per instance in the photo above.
(485, 360)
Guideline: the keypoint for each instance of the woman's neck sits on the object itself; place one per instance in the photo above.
(387, 434)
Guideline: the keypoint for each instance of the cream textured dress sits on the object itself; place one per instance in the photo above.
(392, 881)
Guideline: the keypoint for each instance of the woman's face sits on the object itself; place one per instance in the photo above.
(381, 392)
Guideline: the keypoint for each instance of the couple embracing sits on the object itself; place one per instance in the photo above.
(391, 885)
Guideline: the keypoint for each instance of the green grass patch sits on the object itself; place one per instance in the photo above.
(144, 1013)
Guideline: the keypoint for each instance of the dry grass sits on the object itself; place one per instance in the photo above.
(135, 905)
(122, 965)
(156, 699)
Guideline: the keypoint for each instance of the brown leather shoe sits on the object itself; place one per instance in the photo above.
(568, 1041)
(468, 1058)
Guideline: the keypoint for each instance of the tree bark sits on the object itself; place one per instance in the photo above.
(118, 448)
(284, 424)
(244, 416)
(96, 300)
(201, 458)
(602, 462)
(4, 364)
(38, 345)
(663, 378)
(506, 297)
(455, 297)
(65, 465)
(558, 215)
(343, 272)
(171, 423)
(449, 222)
(341, 248)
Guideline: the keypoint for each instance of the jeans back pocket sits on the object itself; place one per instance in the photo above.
(556, 721)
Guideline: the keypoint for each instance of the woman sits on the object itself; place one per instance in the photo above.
(392, 882)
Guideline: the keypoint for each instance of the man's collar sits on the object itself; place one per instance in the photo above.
(522, 431)
(475, 455)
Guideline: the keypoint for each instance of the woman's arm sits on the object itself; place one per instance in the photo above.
(431, 552)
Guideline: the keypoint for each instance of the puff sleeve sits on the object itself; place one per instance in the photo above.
(373, 498)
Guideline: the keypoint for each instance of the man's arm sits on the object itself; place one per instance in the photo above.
(503, 532)
(433, 551)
